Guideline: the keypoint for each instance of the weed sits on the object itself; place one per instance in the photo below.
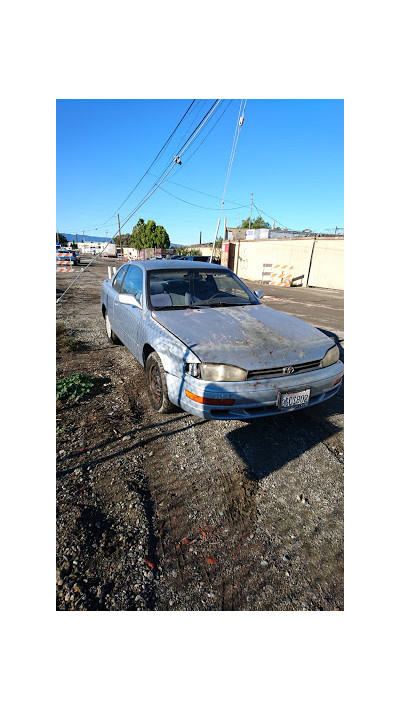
(76, 386)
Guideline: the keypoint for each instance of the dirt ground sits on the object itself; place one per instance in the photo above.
(170, 512)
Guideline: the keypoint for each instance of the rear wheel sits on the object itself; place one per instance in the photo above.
(110, 333)
(157, 384)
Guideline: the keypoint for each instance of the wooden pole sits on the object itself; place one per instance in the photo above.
(251, 207)
(119, 230)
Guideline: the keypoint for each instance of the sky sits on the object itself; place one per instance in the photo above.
(289, 154)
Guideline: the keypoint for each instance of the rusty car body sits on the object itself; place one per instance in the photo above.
(210, 347)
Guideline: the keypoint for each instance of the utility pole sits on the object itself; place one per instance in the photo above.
(224, 229)
(83, 235)
(119, 231)
(251, 207)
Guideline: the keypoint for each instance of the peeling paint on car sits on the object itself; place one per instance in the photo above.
(252, 337)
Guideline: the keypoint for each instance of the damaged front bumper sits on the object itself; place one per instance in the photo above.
(255, 398)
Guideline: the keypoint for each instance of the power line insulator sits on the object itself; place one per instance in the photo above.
(241, 121)
(177, 160)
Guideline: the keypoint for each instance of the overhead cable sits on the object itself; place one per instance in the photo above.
(270, 216)
(201, 192)
(206, 136)
(150, 166)
(148, 195)
(238, 128)
(203, 207)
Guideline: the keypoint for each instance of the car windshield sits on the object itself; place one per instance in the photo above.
(193, 288)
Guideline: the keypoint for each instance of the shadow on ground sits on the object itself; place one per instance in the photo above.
(267, 444)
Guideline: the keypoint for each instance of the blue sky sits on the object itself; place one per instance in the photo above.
(289, 155)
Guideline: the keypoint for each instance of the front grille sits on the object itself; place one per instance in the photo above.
(279, 372)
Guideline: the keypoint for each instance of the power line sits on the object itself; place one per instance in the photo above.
(270, 217)
(201, 192)
(177, 160)
(148, 195)
(176, 148)
(206, 136)
(199, 109)
(203, 207)
(239, 124)
(150, 166)
(210, 111)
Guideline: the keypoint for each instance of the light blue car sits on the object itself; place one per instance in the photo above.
(210, 347)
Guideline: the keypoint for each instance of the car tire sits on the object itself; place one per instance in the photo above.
(110, 333)
(157, 385)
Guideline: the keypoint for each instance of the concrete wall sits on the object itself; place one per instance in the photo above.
(326, 267)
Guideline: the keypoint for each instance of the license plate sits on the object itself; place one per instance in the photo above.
(298, 399)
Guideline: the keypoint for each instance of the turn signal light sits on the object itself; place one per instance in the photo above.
(208, 400)
(337, 381)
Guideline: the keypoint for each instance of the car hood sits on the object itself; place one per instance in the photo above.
(251, 337)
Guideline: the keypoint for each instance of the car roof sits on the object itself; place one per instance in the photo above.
(175, 264)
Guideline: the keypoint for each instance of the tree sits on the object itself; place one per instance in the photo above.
(186, 252)
(125, 239)
(257, 224)
(62, 241)
(149, 235)
(73, 245)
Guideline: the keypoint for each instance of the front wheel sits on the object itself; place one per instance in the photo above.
(157, 384)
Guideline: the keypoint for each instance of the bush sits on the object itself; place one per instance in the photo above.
(76, 386)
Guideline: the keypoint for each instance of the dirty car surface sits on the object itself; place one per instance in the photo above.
(210, 347)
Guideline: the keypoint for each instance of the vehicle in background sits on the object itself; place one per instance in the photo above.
(210, 347)
(67, 258)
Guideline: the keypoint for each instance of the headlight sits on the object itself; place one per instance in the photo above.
(330, 357)
(221, 373)
(216, 372)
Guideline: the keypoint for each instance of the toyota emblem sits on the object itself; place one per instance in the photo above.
(288, 370)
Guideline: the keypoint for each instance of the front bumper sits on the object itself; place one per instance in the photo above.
(255, 398)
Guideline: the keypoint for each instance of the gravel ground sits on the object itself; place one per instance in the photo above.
(170, 512)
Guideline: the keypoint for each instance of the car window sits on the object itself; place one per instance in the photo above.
(133, 283)
(186, 288)
(119, 278)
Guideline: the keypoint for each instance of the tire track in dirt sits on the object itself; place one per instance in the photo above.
(205, 512)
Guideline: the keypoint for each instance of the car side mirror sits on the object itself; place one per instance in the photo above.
(128, 299)
(259, 293)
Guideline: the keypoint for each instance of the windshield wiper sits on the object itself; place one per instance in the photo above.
(180, 307)
(224, 303)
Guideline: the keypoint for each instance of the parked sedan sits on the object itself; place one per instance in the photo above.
(210, 347)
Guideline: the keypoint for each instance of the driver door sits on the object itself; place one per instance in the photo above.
(130, 315)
